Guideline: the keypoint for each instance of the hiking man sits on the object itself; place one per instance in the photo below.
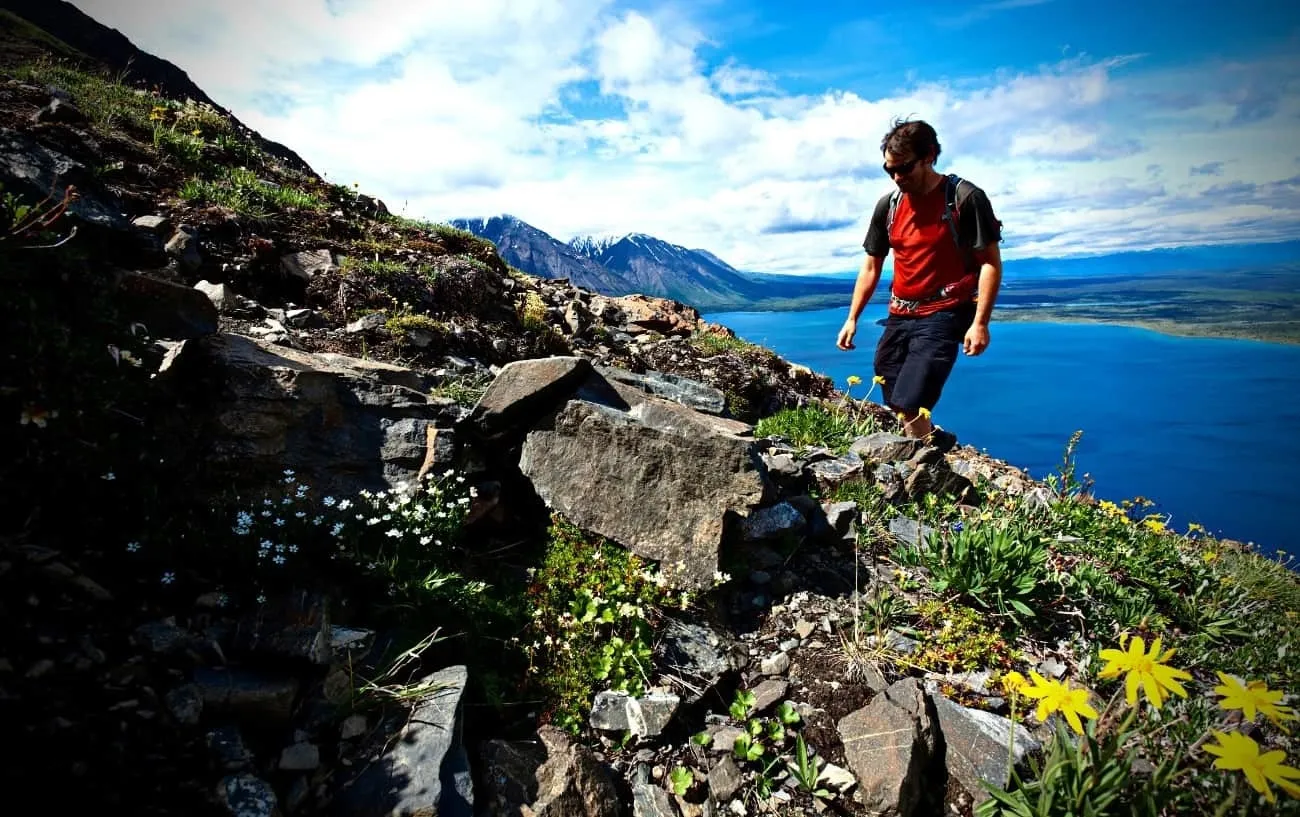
(947, 270)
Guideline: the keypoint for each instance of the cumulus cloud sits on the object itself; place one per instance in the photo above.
(584, 117)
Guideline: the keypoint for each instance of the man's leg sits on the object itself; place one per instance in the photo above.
(891, 354)
(931, 352)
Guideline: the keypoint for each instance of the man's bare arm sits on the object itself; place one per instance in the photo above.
(868, 278)
(863, 289)
(990, 260)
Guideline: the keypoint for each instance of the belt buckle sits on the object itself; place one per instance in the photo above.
(904, 305)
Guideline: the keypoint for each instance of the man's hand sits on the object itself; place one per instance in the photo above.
(976, 340)
(847, 331)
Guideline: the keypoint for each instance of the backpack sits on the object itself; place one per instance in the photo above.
(951, 205)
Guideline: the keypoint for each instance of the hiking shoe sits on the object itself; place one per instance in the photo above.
(941, 439)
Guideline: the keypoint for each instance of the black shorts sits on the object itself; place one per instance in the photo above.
(915, 355)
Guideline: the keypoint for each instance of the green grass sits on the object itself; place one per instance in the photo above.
(240, 190)
(108, 102)
(809, 426)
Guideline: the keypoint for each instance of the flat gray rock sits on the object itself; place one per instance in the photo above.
(425, 770)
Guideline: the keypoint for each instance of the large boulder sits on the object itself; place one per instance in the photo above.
(527, 389)
(653, 475)
(341, 422)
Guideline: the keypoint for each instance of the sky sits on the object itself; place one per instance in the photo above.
(752, 128)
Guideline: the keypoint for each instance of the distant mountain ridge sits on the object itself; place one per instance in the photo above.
(641, 263)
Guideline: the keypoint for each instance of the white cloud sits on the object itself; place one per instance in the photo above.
(580, 117)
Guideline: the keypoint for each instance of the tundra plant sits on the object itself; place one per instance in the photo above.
(594, 609)
(1096, 775)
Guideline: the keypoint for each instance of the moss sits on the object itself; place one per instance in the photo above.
(958, 641)
(403, 326)
(711, 343)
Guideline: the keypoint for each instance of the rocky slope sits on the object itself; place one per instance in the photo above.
(307, 507)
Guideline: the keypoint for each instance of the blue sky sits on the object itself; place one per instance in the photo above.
(752, 129)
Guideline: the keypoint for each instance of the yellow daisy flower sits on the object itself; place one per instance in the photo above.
(1252, 696)
(1236, 751)
(1145, 669)
(1057, 696)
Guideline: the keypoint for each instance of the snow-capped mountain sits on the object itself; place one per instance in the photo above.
(531, 250)
(640, 263)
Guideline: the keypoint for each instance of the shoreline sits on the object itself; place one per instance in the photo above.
(1169, 328)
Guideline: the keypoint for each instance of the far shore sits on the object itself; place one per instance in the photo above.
(1288, 333)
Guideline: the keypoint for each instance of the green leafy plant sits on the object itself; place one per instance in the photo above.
(1075, 779)
(594, 611)
(747, 747)
(806, 768)
(742, 704)
(787, 714)
(681, 779)
(999, 568)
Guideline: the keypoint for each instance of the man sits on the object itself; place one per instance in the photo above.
(944, 285)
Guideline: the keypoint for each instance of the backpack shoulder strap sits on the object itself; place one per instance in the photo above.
(893, 209)
(951, 212)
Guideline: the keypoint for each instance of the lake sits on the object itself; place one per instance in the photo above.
(1205, 427)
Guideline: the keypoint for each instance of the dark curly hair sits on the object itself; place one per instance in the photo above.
(911, 137)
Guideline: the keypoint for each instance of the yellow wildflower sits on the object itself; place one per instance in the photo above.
(1154, 523)
(925, 412)
(1237, 751)
(1057, 696)
(1209, 556)
(1111, 509)
(1013, 682)
(1147, 669)
(854, 380)
(878, 380)
(1252, 696)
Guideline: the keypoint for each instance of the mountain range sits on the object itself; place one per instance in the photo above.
(640, 263)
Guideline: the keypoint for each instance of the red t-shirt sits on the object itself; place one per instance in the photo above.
(925, 257)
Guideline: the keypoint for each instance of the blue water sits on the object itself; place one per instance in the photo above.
(1207, 428)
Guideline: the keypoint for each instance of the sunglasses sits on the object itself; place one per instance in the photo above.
(904, 168)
